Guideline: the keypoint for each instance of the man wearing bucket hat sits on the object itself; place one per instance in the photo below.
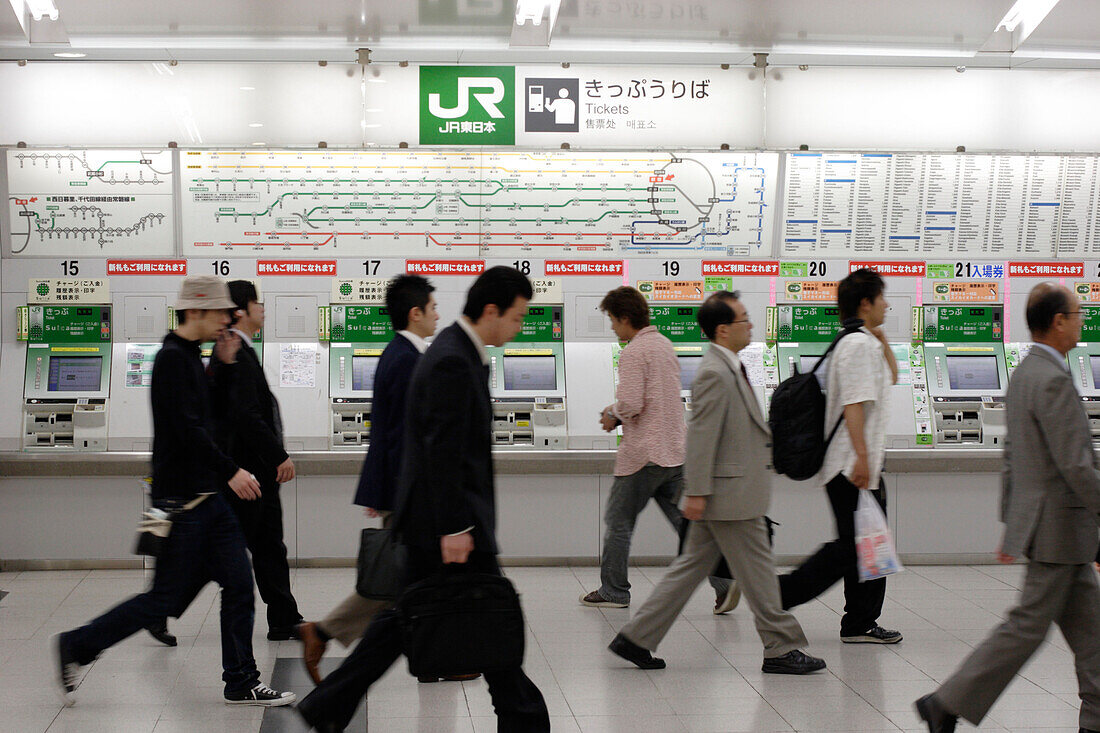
(205, 542)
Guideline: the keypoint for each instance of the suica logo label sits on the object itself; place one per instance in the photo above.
(467, 105)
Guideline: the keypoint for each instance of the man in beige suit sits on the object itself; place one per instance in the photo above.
(728, 489)
(1050, 506)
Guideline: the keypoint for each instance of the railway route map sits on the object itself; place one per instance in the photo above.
(90, 202)
(489, 203)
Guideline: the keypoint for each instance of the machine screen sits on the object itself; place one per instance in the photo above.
(688, 366)
(806, 365)
(1094, 362)
(362, 372)
(75, 373)
(530, 373)
(973, 372)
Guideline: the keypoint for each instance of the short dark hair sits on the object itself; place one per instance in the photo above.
(404, 293)
(1043, 303)
(863, 284)
(626, 303)
(241, 292)
(716, 311)
(499, 286)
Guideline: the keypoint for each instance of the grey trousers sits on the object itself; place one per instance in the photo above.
(744, 544)
(629, 496)
(347, 622)
(1066, 595)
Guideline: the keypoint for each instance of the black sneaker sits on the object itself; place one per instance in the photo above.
(68, 670)
(795, 662)
(874, 635)
(261, 694)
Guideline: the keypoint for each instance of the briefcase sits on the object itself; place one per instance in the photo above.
(381, 566)
(460, 623)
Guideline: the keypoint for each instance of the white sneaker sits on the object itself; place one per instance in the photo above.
(263, 695)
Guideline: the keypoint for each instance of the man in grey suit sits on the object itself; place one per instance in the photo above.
(728, 489)
(1050, 506)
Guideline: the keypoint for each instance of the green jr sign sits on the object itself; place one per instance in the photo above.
(467, 105)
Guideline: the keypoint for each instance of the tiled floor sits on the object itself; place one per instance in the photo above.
(713, 681)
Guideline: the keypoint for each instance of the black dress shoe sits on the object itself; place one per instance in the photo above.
(161, 634)
(319, 726)
(1087, 730)
(631, 652)
(795, 662)
(938, 718)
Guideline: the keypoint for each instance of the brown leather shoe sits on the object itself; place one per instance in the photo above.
(313, 648)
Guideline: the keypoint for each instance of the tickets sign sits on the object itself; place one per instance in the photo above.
(672, 290)
(760, 268)
(444, 267)
(325, 268)
(811, 291)
(890, 269)
(68, 290)
(146, 267)
(1046, 269)
(584, 267)
(359, 290)
(962, 292)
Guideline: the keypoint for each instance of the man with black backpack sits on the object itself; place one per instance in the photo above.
(858, 375)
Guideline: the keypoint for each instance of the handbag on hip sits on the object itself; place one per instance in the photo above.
(381, 566)
(153, 530)
(458, 623)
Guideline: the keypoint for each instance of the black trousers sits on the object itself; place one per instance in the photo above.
(836, 560)
(261, 522)
(518, 703)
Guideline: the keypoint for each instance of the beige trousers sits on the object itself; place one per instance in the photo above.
(347, 622)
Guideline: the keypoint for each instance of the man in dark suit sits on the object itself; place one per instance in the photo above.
(250, 431)
(446, 509)
(413, 316)
(1050, 506)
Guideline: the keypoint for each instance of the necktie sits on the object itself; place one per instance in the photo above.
(745, 374)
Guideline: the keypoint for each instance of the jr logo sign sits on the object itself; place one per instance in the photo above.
(467, 105)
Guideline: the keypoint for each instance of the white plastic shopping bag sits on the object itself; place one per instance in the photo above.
(875, 553)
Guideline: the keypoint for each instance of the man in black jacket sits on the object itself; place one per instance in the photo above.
(250, 431)
(446, 509)
(413, 316)
(205, 542)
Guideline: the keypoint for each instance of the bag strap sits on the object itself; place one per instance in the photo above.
(194, 503)
(851, 325)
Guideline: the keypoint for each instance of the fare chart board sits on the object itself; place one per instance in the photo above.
(90, 202)
(401, 203)
(940, 205)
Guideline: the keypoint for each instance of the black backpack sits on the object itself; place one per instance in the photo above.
(797, 418)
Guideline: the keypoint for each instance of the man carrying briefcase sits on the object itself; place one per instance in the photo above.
(446, 509)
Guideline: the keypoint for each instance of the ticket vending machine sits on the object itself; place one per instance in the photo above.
(67, 380)
(679, 323)
(966, 372)
(1084, 365)
(802, 334)
(527, 383)
(357, 336)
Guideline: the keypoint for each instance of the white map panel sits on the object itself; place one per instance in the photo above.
(482, 203)
(69, 202)
(940, 205)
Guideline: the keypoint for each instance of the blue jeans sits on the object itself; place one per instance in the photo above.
(629, 496)
(205, 544)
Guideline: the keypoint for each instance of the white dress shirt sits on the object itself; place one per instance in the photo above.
(420, 344)
(465, 325)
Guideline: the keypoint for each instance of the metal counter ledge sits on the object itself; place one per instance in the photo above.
(508, 462)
